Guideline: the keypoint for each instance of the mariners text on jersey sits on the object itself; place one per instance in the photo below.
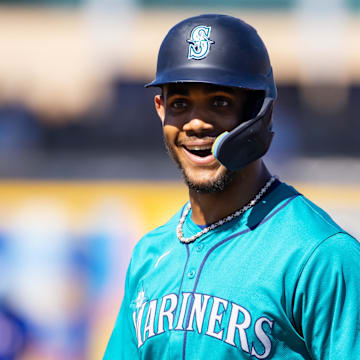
(280, 282)
(160, 317)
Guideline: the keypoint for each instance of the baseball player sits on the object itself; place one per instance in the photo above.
(248, 268)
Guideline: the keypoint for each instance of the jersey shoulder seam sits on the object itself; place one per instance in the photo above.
(313, 209)
(315, 247)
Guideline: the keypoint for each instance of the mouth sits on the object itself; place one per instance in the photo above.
(199, 154)
(201, 151)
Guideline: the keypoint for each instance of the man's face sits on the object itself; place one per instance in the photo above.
(193, 115)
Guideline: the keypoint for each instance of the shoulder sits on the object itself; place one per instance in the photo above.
(156, 244)
(302, 216)
(338, 249)
(297, 228)
(331, 269)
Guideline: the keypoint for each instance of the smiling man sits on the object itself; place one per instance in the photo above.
(248, 268)
(195, 115)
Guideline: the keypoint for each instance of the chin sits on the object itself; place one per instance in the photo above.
(202, 181)
(209, 185)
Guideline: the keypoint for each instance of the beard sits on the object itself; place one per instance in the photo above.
(216, 185)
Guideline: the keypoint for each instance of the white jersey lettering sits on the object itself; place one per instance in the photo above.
(150, 319)
(137, 323)
(241, 327)
(215, 318)
(169, 313)
(180, 324)
(205, 313)
(198, 312)
(263, 337)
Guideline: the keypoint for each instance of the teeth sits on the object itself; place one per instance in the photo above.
(204, 147)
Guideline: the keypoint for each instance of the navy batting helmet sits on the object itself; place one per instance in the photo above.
(223, 50)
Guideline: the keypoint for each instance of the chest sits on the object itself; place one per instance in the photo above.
(229, 294)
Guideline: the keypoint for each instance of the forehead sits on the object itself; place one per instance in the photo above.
(187, 88)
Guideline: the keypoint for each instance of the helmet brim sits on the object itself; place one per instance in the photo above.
(216, 77)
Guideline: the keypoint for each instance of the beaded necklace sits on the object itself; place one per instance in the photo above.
(226, 219)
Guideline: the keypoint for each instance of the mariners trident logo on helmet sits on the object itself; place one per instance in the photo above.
(199, 42)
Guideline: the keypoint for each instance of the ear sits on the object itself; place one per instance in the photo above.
(160, 108)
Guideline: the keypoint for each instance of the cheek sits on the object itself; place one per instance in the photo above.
(231, 122)
(174, 121)
(170, 134)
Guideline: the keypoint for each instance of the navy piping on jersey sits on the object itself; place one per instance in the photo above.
(182, 278)
(208, 254)
(274, 185)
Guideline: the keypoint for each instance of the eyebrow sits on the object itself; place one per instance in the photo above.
(184, 90)
(177, 90)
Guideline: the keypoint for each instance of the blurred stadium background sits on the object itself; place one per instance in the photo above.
(83, 172)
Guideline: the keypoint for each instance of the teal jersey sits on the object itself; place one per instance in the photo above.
(280, 282)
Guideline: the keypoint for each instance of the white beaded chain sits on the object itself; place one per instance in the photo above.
(237, 213)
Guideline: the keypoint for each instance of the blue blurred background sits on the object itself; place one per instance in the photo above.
(83, 171)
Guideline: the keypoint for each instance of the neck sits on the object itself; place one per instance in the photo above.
(209, 208)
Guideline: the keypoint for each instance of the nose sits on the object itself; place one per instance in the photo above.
(198, 124)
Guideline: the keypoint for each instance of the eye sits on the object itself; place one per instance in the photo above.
(179, 104)
(220, 101)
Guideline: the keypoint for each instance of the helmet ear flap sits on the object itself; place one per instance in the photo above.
(254, 102)
(248, 142)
